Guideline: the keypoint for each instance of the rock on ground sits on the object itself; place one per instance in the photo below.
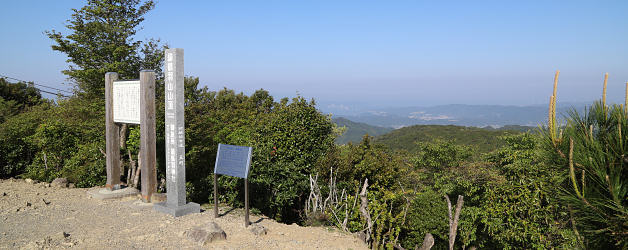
(59, 182)
(258, 229)
(206, 234)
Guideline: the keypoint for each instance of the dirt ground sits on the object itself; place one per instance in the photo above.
(36, 216)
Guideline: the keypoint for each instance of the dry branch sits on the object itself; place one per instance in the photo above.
(453, 221)
(364, 210)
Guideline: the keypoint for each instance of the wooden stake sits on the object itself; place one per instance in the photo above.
(147, 134)
(246, 202)
(112, 135)
(215, 196)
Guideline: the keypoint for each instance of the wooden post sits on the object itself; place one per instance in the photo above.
(246, 202)
(147, 134)
(215, 196)
(112, 136)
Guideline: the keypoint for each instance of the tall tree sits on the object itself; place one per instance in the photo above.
(102, 41)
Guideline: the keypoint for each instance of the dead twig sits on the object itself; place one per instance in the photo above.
(453, 221)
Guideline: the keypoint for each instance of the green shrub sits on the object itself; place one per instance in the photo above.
(441, 153)
(87, 167)
(17, 151)
(591, 153)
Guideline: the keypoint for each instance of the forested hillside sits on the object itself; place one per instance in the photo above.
(408, 138)
(354, 131)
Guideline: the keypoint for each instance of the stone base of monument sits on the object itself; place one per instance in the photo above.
(105, 194)
(177, 211)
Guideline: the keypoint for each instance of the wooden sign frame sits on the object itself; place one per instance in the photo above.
(147, 135)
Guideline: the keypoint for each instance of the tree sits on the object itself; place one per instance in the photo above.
(591, 151)
(442, 153)
(15, 97)
(102, 41)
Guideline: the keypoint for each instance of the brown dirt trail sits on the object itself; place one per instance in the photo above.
(35, 216)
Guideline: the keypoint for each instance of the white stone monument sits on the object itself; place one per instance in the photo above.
(175, 138)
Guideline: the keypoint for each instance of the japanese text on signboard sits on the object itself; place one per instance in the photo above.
(233, 160)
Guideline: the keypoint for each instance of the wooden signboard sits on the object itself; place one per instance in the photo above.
(131, 102)
(126, 102)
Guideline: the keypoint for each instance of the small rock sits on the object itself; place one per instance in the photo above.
(258, 229)
(59, 182)
(45, 202)
(28, 204)
(64, 235)
(361, 236)
(29, 181)
(206, 234)
(71, 185)
(4, 194)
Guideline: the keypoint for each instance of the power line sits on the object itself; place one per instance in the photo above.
(44, 86)
(12, 78)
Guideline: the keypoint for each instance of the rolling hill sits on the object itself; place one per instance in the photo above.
(355, 130)
(484, 140)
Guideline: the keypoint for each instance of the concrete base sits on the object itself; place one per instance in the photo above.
(105, 194)
(177, 211)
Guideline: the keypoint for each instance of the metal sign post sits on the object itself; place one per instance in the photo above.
(233, 161)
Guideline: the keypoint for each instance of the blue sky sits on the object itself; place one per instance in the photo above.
(357, 54)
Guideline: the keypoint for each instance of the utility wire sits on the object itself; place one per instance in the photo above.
(44, 86)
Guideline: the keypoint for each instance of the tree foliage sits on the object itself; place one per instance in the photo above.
(16, 97)
(102, 40)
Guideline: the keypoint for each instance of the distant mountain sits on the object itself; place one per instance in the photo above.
(406, 138)
(460, 114)
(356, 130)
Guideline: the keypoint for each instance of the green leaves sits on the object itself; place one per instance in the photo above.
(440, 154)
(102, 41)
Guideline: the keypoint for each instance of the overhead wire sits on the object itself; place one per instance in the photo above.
(40, 85)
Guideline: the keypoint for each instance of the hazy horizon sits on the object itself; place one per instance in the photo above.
(360, 54)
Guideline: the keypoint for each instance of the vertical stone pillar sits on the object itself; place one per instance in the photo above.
(112, 136)
(175, 137)
(148, 140)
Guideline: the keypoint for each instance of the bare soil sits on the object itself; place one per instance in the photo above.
(36, 216)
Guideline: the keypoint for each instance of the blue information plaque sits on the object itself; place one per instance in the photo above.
(233, 160)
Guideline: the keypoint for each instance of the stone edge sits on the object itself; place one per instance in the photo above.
(95, 193)
(189, 208)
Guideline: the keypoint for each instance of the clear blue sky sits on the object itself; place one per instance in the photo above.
(365, 53)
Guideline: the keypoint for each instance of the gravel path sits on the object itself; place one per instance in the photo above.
(36, 216)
